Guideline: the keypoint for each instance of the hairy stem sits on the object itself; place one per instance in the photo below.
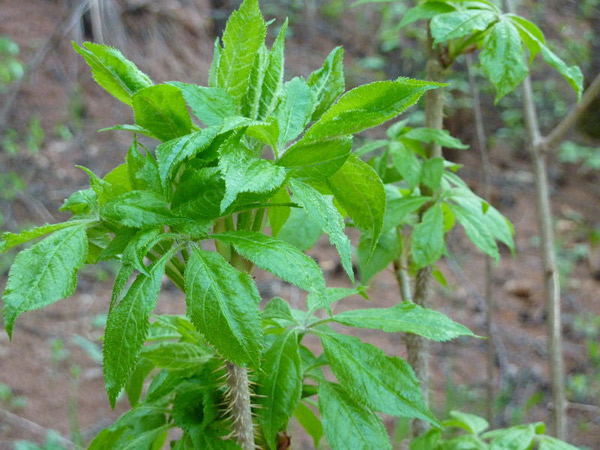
(238, 384)
(238, 396)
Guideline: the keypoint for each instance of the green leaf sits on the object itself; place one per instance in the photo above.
(244, 172)
(135, 384)
(348, 425)
(280, 385)
(358, 188)
(310, 422)
(368, 106)
(325, 298)
(137, 129)
(273, 78)
(268, 253)
(278, 215)
(382, 383)
(441, 137)
(244, 34)
(503, 58)
(534, 39)
(428, 238)
(278, 309)
(266, 132)
(223, 305)
(550, 443)
(176, 355)
(572, 74)
(433, 169)
(127, 327)
(328, 82)
(457, 24)
(251, 101)
(162, 110)
(10, 240)
(294, 110)
(199, 194)
(82, 203)
(373, 257)
(172, 153)
(210, 105)
(470, 422)
(103, 189)
(300, 230)
(491, 220)
(476, 230)
(427, 441)
(407, 164)
(328, 218)
(531, 35)
(119, 177)
(316, 160)
(111, 70)
(398, 208)
(425, 11)
(514, 438)
(139, 209)
(44, 273)
(405, 317)
(143, 171)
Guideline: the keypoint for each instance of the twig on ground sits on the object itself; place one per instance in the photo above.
(32, 427)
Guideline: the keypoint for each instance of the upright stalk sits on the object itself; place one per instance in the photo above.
(238, 395)
(418, 347)
(488, 293)
(550, 272)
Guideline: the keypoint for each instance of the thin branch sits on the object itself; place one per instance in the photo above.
(31, 427)
(560, 131)
(549, 266)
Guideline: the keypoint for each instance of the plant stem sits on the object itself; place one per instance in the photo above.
(238, 384)
(417, 347)
(550, 272)
(488, 293)
(238, 391)
(401, 271)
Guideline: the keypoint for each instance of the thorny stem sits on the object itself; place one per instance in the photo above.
(238, 395)
(238, 384)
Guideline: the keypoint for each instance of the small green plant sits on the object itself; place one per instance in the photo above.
(585, 156)
(474, 435)
(9, 399)
(417, 184)
(11, 67)
(231, 374)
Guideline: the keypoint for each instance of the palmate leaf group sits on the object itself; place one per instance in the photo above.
(249, 150)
